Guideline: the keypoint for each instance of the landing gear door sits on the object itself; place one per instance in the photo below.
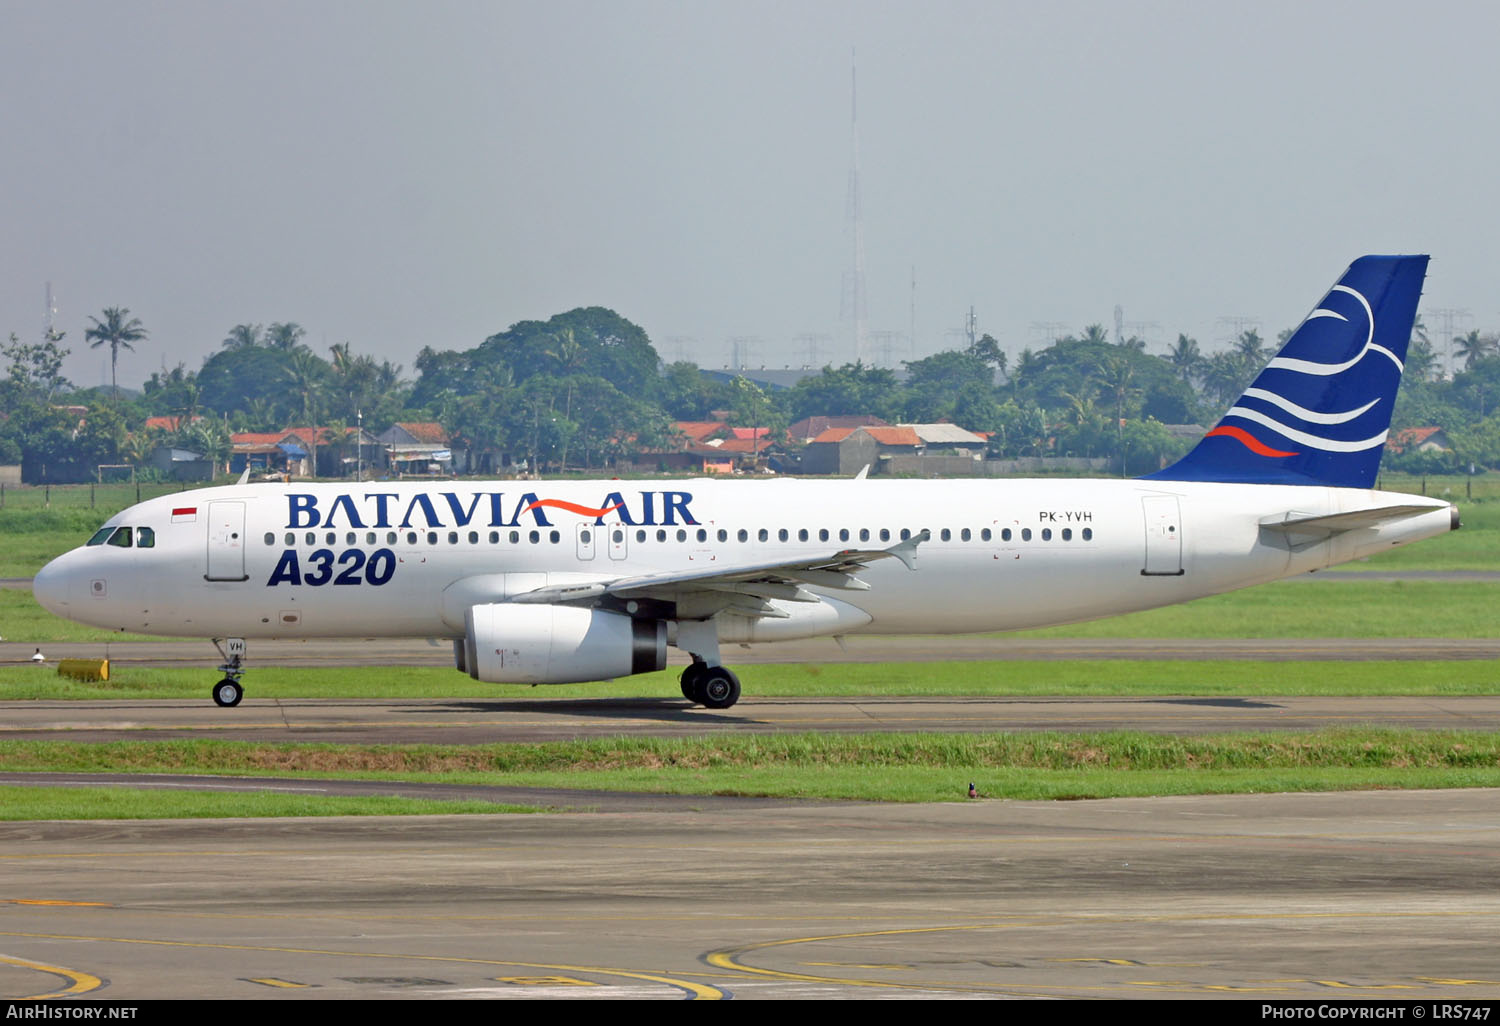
(1163, 536)
(226, 542)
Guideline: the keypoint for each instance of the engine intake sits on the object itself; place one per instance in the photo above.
(539, 644)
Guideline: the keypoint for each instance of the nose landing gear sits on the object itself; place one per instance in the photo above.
(228, 691)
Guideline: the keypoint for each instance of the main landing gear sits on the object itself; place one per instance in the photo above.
(716, 687)
(228, 691)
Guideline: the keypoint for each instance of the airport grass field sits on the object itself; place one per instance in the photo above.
(873, 767)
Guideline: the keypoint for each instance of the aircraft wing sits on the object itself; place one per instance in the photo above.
(747, 588)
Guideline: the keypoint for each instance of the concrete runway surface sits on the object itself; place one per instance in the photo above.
(479, 721)
(1295, 897)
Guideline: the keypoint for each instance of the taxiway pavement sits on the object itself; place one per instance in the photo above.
(479, 721)
(1374, 895)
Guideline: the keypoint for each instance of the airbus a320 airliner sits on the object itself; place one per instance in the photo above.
(577, 581)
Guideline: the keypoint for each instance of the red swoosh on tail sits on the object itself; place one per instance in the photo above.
(1248, 440)
(572, 507)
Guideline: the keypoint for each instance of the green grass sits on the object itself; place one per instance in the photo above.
(36, 803)
(1087, 677)
(1475, 546)
(1313, 607)
(875, 767)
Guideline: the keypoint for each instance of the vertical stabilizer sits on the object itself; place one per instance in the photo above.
(1320, 411)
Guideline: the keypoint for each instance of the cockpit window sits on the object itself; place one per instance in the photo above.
(100, 535)
(121, 537)
(145, 538)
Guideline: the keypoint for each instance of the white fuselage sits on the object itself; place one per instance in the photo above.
(401, 559)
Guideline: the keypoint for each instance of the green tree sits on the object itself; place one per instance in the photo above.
(36, 369)
(1186, 358)
(850, 390)
(285, 335)
(242, 335)
(119, 331)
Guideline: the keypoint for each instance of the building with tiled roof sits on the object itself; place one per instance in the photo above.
(1419, 439)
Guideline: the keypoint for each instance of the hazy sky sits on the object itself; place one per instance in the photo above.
(406, 174)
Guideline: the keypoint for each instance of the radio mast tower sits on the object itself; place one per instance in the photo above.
(854, 280)
(49, 329)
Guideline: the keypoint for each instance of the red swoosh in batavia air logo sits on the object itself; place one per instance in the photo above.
(1248, 440)
(572, 507)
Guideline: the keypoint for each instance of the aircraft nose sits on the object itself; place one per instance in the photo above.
(50, 587)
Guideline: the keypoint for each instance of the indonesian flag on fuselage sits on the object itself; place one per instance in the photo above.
(184, 514)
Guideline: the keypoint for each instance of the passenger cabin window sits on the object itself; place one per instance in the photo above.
(1067, 534)
(121, 537)
(1088, 534)
(640, 536)
(270, 538)
(1046, 534)
(802, 534)
(145, 538)
(782, 534)
(843, 534)
(743, 535)
(101, 535)
(1026, 534)
(864, 534)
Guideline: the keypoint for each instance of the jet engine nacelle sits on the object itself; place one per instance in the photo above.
(539, 644)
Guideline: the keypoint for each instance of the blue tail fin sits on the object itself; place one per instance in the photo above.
(1320, 411)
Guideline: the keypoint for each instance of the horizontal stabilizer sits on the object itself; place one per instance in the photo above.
(1335, 523)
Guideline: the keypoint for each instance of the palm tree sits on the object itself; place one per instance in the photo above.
(1094, 333)
(305, 381)
(1186, 358)
(116, 332)
(1473, 347)
(285, 335)
(242, 336)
